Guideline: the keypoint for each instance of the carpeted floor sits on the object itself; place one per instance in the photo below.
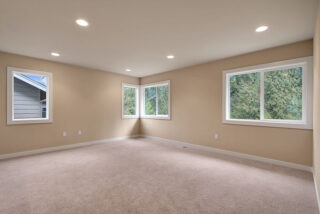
(147, 176)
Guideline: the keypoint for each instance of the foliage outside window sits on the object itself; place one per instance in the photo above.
(130, 101)
(283, 94)
(150, 101)
(245, 96)
(275, 94)
(163, 101)
(155, 100)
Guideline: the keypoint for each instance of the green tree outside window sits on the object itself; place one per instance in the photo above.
(129, 101)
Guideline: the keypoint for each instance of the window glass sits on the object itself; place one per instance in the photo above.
(162, 100)
(150, 101)
(283, 94)
(29, 96)
(277, 94)
(156, 100)
(129, 101)
(245, 96)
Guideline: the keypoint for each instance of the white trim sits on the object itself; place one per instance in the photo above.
(137, 91)
(59, 148)
(261, 95)
(155, 84)
(10, 91)
(316, 190)
(235, 154)
(307, 75)
(142, 96)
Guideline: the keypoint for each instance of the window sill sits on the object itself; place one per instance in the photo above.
(129, 117)
(275, 124)
(156, 117)
(28, 121)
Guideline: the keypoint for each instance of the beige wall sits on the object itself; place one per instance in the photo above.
(84, 99)
(316, 102)
(196, 106)
(90, 100)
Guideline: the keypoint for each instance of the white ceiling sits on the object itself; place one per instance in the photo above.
(138, 34)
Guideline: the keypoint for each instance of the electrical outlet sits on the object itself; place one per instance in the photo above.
(216, 136)
(64, 133)
(79, 132)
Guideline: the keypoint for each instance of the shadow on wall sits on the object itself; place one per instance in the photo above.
(132, 127)
(135, 129)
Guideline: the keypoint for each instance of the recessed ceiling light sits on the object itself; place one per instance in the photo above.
(128, 69)
(170, 56)
(82, 22)
(55, 54)
(262, 28)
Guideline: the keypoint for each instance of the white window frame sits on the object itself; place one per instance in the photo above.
(142, 95)
(307, 84)
(136, 87)
(10, 99)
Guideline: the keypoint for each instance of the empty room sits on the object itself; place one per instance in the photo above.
(159, 107)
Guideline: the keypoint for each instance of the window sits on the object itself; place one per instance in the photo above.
(276, 94)
(155, 100)
(130, 101)
(29, 96)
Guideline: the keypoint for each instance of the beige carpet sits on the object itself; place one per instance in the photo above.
(147, 176)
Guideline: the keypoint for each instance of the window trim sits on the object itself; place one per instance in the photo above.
(137, 89)
(307, 83)
(142, 103)
(10, 92)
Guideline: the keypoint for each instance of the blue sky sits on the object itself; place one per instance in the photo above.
(40, 79)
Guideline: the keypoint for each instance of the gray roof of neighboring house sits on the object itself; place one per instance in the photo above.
(31, 82)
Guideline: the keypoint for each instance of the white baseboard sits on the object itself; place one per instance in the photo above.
(59, 148)
(317, 193)
(235, 154)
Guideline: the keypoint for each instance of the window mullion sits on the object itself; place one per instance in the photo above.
(262, 95)
(156, 101)
(137, 101)
(144, 101)
(228, 108)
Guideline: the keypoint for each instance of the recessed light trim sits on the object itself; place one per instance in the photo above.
(128, 69)
(262, 28)
(82, 22)
(55, 54)
(170, 56)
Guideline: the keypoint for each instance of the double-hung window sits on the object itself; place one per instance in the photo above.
(130, 101)
(155, 100)
(275, 94)
(29, 96)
